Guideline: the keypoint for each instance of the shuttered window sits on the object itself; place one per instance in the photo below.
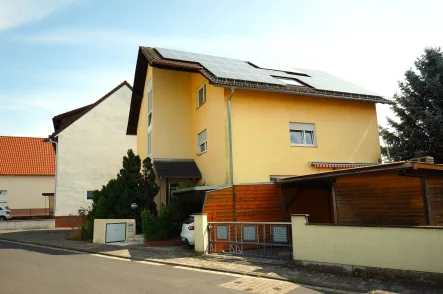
(201, 95)
(202, 146)
(302, 134)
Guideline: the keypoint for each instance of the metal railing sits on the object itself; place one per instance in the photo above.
(259, 239)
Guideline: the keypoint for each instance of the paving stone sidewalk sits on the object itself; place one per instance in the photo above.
(184, 256)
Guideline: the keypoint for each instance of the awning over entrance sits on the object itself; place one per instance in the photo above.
(339, 165)
(172, 168)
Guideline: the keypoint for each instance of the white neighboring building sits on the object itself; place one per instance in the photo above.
(92, 141)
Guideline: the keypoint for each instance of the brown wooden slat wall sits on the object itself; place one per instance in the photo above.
(315, 202)
(382, 199)
(435, 192)
(260, 203)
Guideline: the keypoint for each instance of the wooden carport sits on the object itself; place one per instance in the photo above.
(402, 193)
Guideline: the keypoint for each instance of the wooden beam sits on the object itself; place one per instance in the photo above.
(419, 165)
(334, 203)
(283, 205)
(426, 200)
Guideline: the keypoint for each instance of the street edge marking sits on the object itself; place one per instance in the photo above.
(109, 257)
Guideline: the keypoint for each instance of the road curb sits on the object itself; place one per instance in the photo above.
(249, 274)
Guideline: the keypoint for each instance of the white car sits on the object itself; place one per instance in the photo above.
(5, 213)
(187, 234)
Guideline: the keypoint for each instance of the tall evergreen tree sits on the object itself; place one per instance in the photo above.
(148, 186)
(418, 130)
(130, 186)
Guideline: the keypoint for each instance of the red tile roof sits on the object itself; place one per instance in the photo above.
(26, 156)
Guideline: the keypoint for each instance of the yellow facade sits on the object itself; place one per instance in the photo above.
(142, 126)
(346, 131)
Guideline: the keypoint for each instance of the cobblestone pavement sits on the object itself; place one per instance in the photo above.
(184, 256)
(260, 286)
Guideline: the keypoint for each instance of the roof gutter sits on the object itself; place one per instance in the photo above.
(314, 95)
(231, 160)
(346, 172)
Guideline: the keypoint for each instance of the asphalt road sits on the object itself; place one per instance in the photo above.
(33, 269)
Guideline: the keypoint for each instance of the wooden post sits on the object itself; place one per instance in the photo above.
(334, 202)
(283, 205)
(426, 200)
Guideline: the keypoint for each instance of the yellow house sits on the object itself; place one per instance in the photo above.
(285, 121)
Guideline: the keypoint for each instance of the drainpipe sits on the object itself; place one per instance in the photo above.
(50, 140)
(231, 161)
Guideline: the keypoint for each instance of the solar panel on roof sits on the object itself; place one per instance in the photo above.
(222, 67)
(230, 68)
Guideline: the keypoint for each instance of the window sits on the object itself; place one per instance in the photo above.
(3, 196)
(149, 88)
(149, 143)
(202, 143)
(201, 95)
(302, 134)
(89, 195)
(149, 104)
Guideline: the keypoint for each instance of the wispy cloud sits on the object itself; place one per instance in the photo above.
(58, 91)
(14, 13)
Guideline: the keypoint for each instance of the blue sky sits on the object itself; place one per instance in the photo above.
(56, 55)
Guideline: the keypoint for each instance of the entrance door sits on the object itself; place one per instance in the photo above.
(115, 232)
(172, 188)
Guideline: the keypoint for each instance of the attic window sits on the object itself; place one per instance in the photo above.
(293, 82)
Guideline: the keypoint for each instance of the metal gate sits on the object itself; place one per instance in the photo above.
(115, 232)
(260, 239)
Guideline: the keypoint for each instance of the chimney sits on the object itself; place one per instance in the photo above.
(424, 159)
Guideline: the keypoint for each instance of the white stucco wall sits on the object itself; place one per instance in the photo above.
(90, 152)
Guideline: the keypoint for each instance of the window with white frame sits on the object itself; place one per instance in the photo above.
(302, 134)
(201, 95)
(202, 146)
(149, 103)
(3, 196)
(149, 143)
(149, 88)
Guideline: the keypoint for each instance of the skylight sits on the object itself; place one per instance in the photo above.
(290, 81)
(277, 67)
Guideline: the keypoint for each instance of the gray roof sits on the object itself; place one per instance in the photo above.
(236, 69)
(172, 168)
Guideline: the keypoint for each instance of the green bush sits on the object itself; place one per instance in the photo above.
(167, 225)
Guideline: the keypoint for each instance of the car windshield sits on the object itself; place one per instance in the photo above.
(7, 207)
(190, 220)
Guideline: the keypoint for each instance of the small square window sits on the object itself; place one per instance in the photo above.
(302, 134)
(89, 195)
(202, 145)
(3, 196)
(201, 95)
